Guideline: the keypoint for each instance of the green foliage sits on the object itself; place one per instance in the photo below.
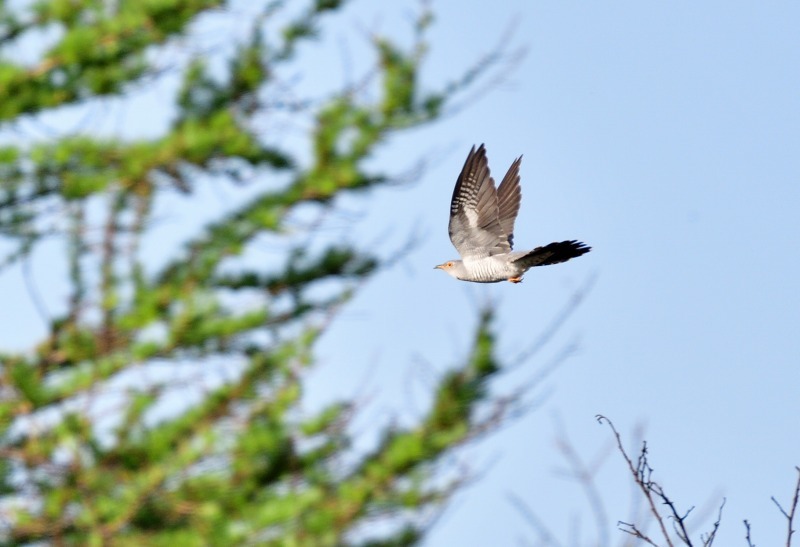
(240, 464)
(100, 51)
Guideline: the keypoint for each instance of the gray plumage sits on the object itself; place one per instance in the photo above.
(482, 227)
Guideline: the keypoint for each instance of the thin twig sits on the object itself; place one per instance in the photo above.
(792, 510)
(678, 520)
(709, 540)
(585, 474)
(531, 518)
(747, 536)
(630, 528)
(641, 475)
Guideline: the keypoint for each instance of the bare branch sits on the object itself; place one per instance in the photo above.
(747, 536)
(641, 475)
(630, 528)
(678, 520)
(709, 540)
(792, 510)
(585, 475)
(531, 518)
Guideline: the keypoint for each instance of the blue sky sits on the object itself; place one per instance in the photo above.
(664, 135)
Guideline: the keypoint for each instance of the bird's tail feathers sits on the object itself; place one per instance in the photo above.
(554, 253)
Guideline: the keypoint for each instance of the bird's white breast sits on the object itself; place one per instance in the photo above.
(490, 268)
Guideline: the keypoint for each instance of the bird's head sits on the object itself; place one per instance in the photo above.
(452, 267)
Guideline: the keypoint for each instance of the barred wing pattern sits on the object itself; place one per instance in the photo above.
(509, 196)
(482, 217)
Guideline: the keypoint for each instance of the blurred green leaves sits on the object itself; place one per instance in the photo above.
(235, 460)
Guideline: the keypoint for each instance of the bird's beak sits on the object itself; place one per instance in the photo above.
(438, 267)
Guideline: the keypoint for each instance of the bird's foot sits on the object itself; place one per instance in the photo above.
(515, 279)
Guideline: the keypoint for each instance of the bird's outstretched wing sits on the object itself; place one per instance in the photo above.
(509, 196)
(476, 228)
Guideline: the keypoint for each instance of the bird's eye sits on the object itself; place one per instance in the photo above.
(449, 264)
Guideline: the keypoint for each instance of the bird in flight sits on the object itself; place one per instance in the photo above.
(482, 227)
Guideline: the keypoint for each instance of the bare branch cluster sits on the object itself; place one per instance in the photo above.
(654, 493)
(663, 509)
